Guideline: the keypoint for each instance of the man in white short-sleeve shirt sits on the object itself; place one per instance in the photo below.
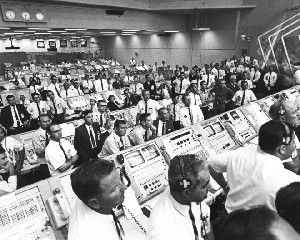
(256, 173)
(60, 154)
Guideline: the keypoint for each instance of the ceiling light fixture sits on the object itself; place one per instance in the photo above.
(42, 29)
(68, 33)
(172, 31)
(130, 30)
(202, 28)
(54, 31)
(24, 31)
(42, 33)
(108, 32)
(86, 36)
(4, 28)
(75, 29)
(13, 33)
(126, 34)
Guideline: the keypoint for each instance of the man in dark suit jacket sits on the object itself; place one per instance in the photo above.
(163, 123)
(88, 140)
(14, 117)
(129, 100)
(150, 85)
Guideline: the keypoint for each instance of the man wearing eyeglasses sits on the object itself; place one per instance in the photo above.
(60, 154)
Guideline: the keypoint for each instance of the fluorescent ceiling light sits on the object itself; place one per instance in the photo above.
(76, 37)
(24, 31)
(68, 33)
(40, 29)
(171, 31)
(4, 28)
(126, 34)
(201, 29)
(75, 29)
(13, 33)
(42, 33)
(54, 31)
(130, 30)
(108, 32)
(86, 36)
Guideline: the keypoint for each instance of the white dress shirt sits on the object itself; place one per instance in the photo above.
(59, 103)
(12, 109)
(189, 117)
(85, 223)
(35, 89)
(211, 80)
(185, 85)
(195, 99)
(160, 128)
(174, 110)
(10, 145)
(238, 96)
(272, 77)
(74, 92)
(33, 109)
(128, 79)
(55, 157)
(52, 87)
(220, 74)
(136, 88)
(152, 107)
(88, 84)
(170, 220)
(101, 87)
(254, 177)
(113, 145)
(255, 76)
(10, 185)
(90, 130)
(249, 82)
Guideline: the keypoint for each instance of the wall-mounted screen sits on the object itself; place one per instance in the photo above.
(40, 44)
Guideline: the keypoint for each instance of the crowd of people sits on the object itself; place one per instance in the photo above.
(256, 175)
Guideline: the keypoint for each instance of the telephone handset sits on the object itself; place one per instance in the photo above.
(230, 129)
(59, 208)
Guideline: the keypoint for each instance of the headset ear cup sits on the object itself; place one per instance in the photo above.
(282, 118)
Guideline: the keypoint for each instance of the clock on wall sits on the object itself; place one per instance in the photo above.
(26, 15)
(10, 14)
(40, 16)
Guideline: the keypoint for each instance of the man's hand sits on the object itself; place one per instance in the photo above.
(153, 128)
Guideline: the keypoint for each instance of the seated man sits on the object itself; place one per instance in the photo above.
(129, 100)
(60, 154)
(58, 107)
(180, 212)
(88, 139)
(14, 117)
(10, 183)
(99, 189)
(144, 131)
(163, 124)
(117, 140)
(244, 96)
(189, 114)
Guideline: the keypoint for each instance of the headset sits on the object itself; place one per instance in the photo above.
(286, 140)
(184, 182)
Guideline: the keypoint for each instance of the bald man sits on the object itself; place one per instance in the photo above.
(288, 111)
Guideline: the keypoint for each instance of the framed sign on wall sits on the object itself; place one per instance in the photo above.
(52, 44)
(40, 44)
(63, 43)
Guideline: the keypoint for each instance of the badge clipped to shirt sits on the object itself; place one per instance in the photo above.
(152, 87)
(22, 115)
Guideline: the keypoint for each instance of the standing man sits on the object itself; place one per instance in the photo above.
(207, 99)
(163, 123)
(173, 110)
(144, 131)
(129, 99)
(194, 94)
(181, 84)
(189, 114)
(58, 107)
(37, 108)
(147, 105)
(243, 96)
(102, 117)
(223, 96)
(54, 86)
(180, 213)
(14, 117)
(40, 140)
(117, 140)
(150, 86)
(270, 79)
(87, 140)
(60, 154)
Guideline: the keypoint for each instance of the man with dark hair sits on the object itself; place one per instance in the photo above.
(54, 86)
(150, 86)
(254, 174)
(243, 96)
(173, 110)
(88, 139)
(101, 116)
(117, 140)
(58, 107)
(99, 189)
(180, 213)
(259, 223)
(14, 117)
(144, 131)
(288, 204)
(37, 108)
(163, 123)
(60, 154)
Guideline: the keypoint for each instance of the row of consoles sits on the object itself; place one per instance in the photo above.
(41, 210)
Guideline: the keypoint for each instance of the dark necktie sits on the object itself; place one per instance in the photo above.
(122, 142)
(146, 135)
(101, 84)
(174, 112)
(93, 142)
(243, 98)
(63, 150)
(57, 92)
(55, 109)
(38, 107)
(46, 139)
(191, 117)
(180, 85)
(163, 132)
(146, 107)
(17, 117)
(101, 120)
(207, 80)
(118, 225)
(192, 217)
(78, 91)
(195, 99)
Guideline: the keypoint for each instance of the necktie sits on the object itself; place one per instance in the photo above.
(118, 225)
(38, 107)
(93, 142)
(146, 107)
(146, 135)
(174, 112)
(207, 80)
(195, 99)
(101, 120)
(180, 85)
(243, 98)
(218, 74)
(55, 109)
(78, 91)
(17, 117)
(192, 217)
(57, 92)
(163, 132)
(191, 117)
(47, 139)
(122, 142)
(63, 151)
(101, 84)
